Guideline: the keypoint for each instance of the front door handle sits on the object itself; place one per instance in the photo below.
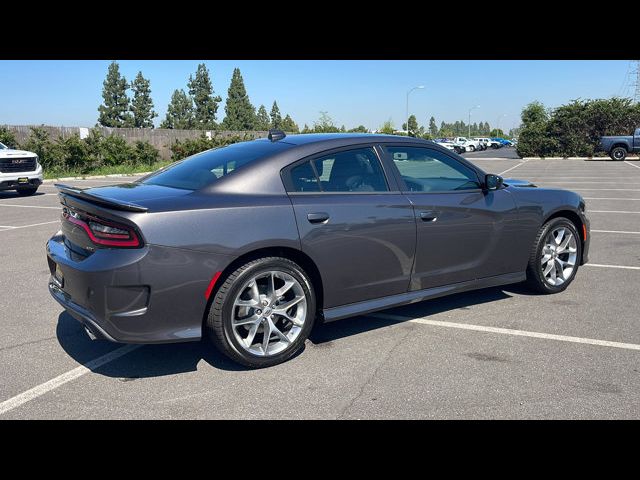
(317, 217)
(428, 216)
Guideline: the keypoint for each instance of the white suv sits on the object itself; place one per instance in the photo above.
(19, 171)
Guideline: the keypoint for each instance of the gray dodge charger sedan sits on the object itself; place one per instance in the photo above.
(251, 244)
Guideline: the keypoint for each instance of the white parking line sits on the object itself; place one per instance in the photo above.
(628, 163)
(25, 206)
(60, 380)
(508, 331)
(615, 231)
(617, 183)
(515, 166)
(624, 267)
(610, 198)
(9, 227)
(610, 211)
(611, 189)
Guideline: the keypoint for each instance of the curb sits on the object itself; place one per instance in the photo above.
(94, 177)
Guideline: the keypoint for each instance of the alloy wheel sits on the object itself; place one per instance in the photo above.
(559, 256)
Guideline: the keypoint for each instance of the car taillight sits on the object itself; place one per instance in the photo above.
(103, 232)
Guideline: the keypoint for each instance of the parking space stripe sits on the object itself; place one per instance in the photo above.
(615, 231)
(610, 211)
(507, 331)
(598, 265)
(611, 189)
(67, 377)
(515, 166)
(9, 227)
(617, 183)
(629, 163)
(25, 206)
(610, 198)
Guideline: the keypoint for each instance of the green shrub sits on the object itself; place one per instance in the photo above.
(185, 148)
(116, 151)
(39, 143)
(145, 154)
(7, 137)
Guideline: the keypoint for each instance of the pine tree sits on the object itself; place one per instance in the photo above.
(433, 128)
(205, 103)
(240, 114)
(262, 119)
(288, 125)
(276, 118)
(114, 112)
(179, 112)
(412, 129)
(142, 104)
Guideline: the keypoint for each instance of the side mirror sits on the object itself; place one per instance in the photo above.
(492, 182)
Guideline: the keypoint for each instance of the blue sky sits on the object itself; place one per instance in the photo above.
(352, 92)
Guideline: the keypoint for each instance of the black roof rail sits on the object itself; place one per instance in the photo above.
(276, 134)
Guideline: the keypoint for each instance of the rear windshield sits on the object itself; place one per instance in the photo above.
(204, 168)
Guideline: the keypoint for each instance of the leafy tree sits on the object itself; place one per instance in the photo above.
(114, 111)
(343, 129)
(39, 143)
(205, 103)
(288, 125)
(433, 128)
(306, 129)
(7, 137)
(145, 154)
(116, 151)
(359, 129)
(496, 133)
(262, 119)
(387, 127)
(324, 124)
(179, 112)
(142, 105)
(413, 128)
(533, 138)
(276, 118)
(240, 114)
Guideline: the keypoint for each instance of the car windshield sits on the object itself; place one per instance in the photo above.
(3, 146)
(202, 169)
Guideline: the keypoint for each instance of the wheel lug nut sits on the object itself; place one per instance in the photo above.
(258, 311)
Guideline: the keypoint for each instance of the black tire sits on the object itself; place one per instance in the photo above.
(473, 148)
(218, 323)
(618, 153)
(535, 278)
(26, 192)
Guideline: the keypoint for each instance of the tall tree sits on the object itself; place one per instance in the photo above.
(142, 105)
(240, 114)
(413, 128)
(179, 112)
(288, 125)
(276, 118)
(387, 127)
(359, 129)
(325, 124)
(205, 103)
(114, 111)
(433, 128)
(262, 119)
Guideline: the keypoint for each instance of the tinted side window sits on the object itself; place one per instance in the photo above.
(427, 170)
(303, 178)
(351, 171)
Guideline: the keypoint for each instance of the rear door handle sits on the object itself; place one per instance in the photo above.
(428, 216)
(317, 217)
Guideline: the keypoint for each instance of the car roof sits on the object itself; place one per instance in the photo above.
(309, 138)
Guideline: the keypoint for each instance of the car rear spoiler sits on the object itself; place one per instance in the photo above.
(105, 202)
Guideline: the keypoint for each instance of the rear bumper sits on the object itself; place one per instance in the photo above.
(9, 181)
(153, 294)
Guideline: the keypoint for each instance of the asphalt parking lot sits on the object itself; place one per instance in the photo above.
(498, 353)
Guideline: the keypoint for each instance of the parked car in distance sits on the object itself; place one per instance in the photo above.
(470, 145)
(619, 146)
(502, 141)
(449, 145)
(251, 244)
(19, 171)
(488, 142)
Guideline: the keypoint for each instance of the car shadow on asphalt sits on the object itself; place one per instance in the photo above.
(12, 194)
(356, 325)
(148, 361)
(171, 359)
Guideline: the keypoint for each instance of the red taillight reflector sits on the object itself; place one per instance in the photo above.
(212, 284)
(584, 232)
(106, 233)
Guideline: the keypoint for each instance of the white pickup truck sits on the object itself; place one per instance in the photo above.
(19, 171)
(470, 145)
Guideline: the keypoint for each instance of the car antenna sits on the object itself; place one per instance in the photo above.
(276, 134)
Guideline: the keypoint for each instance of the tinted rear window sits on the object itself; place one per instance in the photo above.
(205, 168)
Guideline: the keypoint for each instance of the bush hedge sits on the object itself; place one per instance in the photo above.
(575, 129)
(185, 148)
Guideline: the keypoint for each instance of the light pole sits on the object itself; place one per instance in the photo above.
(419, 87)
(477, 106)
(498, 123)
